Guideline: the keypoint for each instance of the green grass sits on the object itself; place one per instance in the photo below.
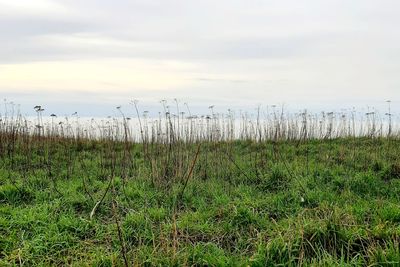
(317, 203)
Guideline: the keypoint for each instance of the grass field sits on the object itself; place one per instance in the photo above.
(84, 202)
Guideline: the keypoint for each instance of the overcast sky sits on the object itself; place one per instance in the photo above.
(90, 56)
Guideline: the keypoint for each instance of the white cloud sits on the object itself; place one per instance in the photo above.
(111, 75)
(22, 8)
(301, 52)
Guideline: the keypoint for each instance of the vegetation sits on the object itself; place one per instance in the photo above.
(186, 193)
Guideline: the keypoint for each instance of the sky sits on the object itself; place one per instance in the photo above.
(91, 56)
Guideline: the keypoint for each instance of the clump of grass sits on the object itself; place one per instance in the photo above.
(277, 179)
(391, 172)
(10, 194)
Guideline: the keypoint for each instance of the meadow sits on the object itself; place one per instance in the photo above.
(269, 189)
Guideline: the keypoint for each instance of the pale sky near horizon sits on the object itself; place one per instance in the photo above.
(90, 56)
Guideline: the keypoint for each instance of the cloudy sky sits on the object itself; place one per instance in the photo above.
(90, 56)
